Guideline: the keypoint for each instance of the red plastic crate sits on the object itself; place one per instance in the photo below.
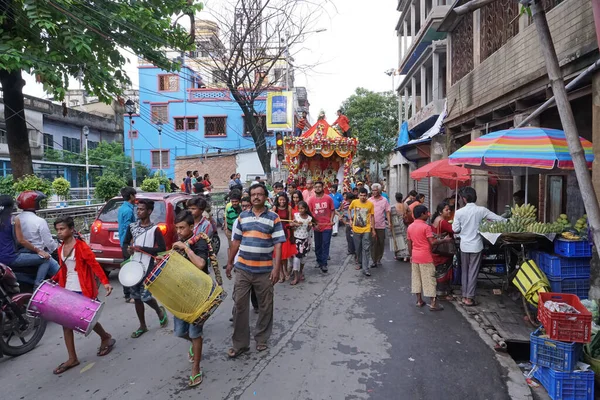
(566, 327)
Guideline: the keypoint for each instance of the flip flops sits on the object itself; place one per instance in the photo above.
(436, 308)
(138, 333)
(233, 353)
(62, 368)
(261, 347)
(165, 319)
(194, 378)
(105, 350)
(191, 354)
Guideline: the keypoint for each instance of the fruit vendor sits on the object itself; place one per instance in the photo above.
(466, 224)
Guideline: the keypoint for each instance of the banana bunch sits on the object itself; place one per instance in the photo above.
(539, 227)
(570, 236)
(501, 227)
(524, 215)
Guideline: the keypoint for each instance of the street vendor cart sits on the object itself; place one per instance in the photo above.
(321, 153)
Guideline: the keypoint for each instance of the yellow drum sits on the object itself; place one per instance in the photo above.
(188, 293)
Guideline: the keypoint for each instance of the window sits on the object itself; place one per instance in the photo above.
(168, 83)
(159, 112)
(262, 125)
(132, 134)
(72, 145)
(186, 123)
(218, 77)
(92, 144)
(155, 160)
(2, 136)
(277, 74)
(215, 126)
(48, 141)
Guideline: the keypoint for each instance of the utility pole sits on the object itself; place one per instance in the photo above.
(130, 109)
(159, 126)
(287, 61)
(86, 132)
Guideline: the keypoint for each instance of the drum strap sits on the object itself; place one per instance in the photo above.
(211, 255)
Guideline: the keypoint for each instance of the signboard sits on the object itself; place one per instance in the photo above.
(280, 111)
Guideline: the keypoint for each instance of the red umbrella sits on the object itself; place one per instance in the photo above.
(451, 176)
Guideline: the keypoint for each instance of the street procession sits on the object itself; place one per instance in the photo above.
(227, 199)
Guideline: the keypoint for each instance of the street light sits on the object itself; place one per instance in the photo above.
(391, 72)
(86, 132)
(130, 109)
(159, 126)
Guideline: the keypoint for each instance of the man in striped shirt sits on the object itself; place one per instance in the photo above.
(258, 237)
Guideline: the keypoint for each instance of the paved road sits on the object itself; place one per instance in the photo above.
(337, 336)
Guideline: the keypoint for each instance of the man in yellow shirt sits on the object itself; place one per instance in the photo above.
(363, 226)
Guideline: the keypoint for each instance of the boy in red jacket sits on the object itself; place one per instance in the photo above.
(78, 269)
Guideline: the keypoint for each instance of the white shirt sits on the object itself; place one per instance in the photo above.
(466, 223)
(302, 231)
(233, 228)
(35, 230)
(72, 283)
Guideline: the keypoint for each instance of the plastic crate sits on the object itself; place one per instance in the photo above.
(553, 354)
(577, 286)
(566, 327)
(573, 248)
(566, 385)
(535, 255)
(557, 267)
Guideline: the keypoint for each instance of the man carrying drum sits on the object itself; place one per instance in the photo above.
(258, 236)
(143, 241)
(197, 254)
(78, 272)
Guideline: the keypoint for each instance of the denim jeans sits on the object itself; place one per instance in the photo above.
(46, 268)
(322, 242)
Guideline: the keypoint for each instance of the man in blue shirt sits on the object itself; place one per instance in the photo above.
(126, 217)
(337, 202)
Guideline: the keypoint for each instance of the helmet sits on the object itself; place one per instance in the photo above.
(30, 200)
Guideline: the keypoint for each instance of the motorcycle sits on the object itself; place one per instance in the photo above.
(19, 332)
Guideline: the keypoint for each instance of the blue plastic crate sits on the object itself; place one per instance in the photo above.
(570, 248)
(536, 256)
(557, 267)
(550, 353)
(577, 286)
(566, 385)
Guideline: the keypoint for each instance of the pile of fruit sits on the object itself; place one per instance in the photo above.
(523, 220)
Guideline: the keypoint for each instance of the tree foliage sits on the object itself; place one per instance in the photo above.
(33, 182)
(58, 39)
(61, 187)
(374, 121)
(150, 185)
(112, 157)
(6, 185)
(109, 186)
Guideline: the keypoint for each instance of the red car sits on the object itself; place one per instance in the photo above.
(104, 235)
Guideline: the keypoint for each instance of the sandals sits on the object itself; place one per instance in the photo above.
(420, 304)
(105, 350)
(233, 353)
(436, 308)
(139, 333)
(261, 347)
(191, 354)
(194, 378)
(165, 319)
(62, 368)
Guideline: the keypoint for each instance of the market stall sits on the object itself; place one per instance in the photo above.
(321, 153)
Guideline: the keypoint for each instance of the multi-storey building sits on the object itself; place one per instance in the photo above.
(422, 92)
(198, 113)
(496, 76)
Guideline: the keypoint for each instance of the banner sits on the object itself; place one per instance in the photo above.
(280, 111)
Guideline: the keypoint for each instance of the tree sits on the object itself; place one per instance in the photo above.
(111, 156)
(374, 121)
(255, 38)
(56, 39)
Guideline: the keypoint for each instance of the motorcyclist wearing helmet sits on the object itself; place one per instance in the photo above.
(33, 233)
(8, 254)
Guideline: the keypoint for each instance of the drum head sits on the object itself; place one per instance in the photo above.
(131, 273)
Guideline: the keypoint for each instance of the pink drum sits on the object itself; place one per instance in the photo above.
(69, 309)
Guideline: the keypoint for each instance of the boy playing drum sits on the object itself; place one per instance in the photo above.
(78, 270)
(197, 254)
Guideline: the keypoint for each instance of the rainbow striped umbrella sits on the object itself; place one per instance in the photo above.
(521, 149)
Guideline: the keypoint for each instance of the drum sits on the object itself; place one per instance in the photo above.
(64, 307)
(131, 273)
(188, 293)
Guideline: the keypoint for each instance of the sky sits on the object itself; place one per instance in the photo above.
(359, 45)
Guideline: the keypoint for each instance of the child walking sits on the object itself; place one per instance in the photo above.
(302, 223)
(78, 272)
(288, 249)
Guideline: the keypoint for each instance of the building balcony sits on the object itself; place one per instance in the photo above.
(429, 112)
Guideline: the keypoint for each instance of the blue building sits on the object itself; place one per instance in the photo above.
(196, 119)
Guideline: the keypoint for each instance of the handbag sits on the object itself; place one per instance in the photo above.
(443, 249)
